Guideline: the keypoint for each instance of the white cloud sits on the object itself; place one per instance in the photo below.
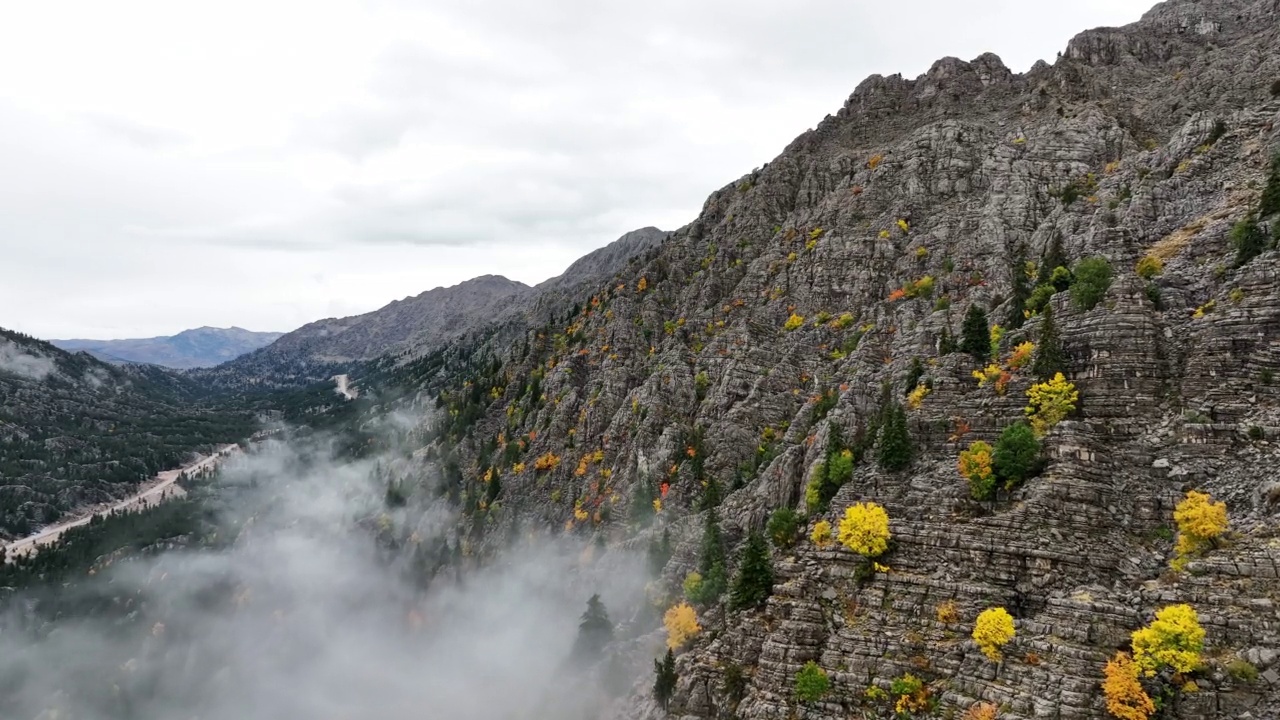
(169, 165)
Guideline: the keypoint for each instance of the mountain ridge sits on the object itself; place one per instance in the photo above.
(192, 348)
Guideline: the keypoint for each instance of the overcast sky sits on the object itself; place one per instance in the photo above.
(265, 163)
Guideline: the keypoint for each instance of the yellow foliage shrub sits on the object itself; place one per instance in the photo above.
(1125, 697)
(546, 462)
(821, 535)
(874, 161)
(916, 397)
(1020, 356)
(1050, 402)
(793, 323)
(992, 631)
(1149, 267)
(1173, 640)
(865, 529)
(682, 625)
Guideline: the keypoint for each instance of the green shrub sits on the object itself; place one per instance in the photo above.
(1016, 455)
(783, 527)
(1039, 298)
(1242, 670)
(1092, 278)
(1248, 240)
(811, 683)
(1270, 203)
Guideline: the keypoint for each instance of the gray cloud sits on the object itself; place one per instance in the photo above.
(397, 135)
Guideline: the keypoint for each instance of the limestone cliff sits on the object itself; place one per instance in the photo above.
(735, 349)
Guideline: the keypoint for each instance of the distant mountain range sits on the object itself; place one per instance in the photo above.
(418, 325)
(198, 348)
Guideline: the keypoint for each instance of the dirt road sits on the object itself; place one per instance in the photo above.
(161, 488)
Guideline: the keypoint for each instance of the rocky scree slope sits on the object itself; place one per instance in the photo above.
(1150, 140)
(195, 348)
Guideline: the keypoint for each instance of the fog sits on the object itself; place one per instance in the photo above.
(14, 360)
(304, 615)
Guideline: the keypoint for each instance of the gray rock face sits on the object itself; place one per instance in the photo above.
(196, 348)
(1153, 139)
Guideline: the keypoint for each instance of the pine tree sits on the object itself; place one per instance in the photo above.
(1049, 359)
(1021, 291)
(895, 441)
(946, 345)
(711, 560)
(664, 685)
(1053, 259)
(754, 583)
(594, 632)
(976, 339)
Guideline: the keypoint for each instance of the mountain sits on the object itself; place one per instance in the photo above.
(419, 325)
(197, 348)
(815, 307)
(75, 431)
(863, 325)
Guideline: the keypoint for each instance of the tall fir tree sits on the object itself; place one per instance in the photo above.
(711, 560)
(895, 441)
(660, 552)
(664, 684)
(754, 583)
(976, 338)
(594, 632)
(1021, 290)
(1054, 258)
(1049, 359)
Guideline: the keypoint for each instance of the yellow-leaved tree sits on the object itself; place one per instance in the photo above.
(1120, 686)
(1050, 402)
(992, 631)
(1200, 522)
(1173, 640)
(865, 529)
(682, 625)
(975, 466)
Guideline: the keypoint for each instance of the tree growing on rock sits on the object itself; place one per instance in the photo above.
(681, 622)
(1049, 360)
(783, 527)
(1092, 279)
(664, 684)
(594, 632)
(1174, 640)
(812, 683)
(895, 441)
(1126, 698)
(1200, 523)
(992, 631)
(975, 336)
(975, 466)
(865, 529)
(1016, 455)
(1050, 403)
(754, 583)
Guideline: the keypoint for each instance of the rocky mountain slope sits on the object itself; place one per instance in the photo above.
(810, 297)
(75, 431)
(195, 348)
(425, 323)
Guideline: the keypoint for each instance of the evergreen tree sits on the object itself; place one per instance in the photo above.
(946, 345)
(711, 561)
(895, 441)
(1021, 291)
(914, 373)
(594, 632)
(492, 489)
(754, 583)
(664, 685)
(1049, 359)
(641, 510)
(1053, 259)
(976, 339)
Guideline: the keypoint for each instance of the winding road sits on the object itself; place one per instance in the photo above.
(161, 488)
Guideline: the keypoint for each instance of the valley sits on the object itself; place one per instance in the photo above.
(963, 406)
